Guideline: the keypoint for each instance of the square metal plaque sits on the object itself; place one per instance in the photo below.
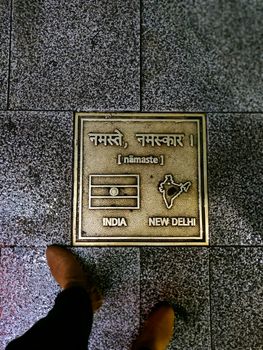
(140, 179)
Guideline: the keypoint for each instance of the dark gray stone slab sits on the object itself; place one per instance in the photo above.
(4, 50)
(202, 55)
(179, 275)
(235, 172)
(80, 55)
(116, 324)
(236, 298)
(35, 178)
(28, 292)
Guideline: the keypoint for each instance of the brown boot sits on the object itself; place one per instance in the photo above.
(158, 329)
(68, 272)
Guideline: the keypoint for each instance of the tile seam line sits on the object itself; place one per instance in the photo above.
(39, 110)
(72, 110)
(210, 299)
(101, 247)
(130, 111)
(140, 97)
(237, 246)
(140, 291)
(9, 54)
(95, 111)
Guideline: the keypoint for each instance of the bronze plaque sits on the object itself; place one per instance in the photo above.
(140, 179)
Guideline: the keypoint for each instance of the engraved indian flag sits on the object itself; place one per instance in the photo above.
(114, 191)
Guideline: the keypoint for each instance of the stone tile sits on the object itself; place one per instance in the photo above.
(179, 275)
(35, 177)
(80, 55)
(236, 298)
(202, 55)
(28, 292)
(117, 322)
(4, 50)
(235, 172)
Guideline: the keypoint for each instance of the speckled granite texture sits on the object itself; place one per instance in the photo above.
(236, 298)
(28, 292)
(79, 55)
(235, 173)
(202, 55)
(118, 273)
(4, 50)
(181, 276)
(133, 55)
(35, 176)
(27, 289)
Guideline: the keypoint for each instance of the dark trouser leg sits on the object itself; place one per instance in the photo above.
(67, 326)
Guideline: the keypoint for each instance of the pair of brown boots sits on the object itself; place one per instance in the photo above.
(67, 271)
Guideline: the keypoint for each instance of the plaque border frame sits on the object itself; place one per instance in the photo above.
(140, 241)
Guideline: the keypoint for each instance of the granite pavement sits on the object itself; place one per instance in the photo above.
(5, 11)
(202, 55)
(79, 55)
(147, 55)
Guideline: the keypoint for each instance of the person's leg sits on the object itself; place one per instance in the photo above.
(158, 329)
(68, 324)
